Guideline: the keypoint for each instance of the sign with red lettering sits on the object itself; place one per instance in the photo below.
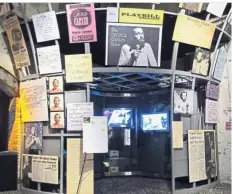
(81, 23)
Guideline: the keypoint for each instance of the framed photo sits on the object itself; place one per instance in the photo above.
(201, 62)
(133, 45)
(56, 102)
(57, 120)
(56, 84)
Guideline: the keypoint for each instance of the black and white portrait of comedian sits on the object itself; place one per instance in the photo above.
(133, 45)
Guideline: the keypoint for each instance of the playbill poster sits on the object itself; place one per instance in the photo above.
(133, 45)
(81, 22)
(17, 42)
(202, 155)
(211, 111)
(183, 101)
(193, 31)
(33, 97)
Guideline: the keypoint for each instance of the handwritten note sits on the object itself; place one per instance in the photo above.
(212, 91)
(33, 97)
(193, 31)
(75, 114)
(211, 111)
(46, 27)
(78, 68)
(49, 59)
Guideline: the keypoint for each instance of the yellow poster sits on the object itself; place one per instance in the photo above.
(197, 7)
(141, 16)
(193, 31)
(17, 42)
(177, 134)
(78, 68)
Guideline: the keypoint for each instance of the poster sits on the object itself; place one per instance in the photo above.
(201, 62)
(57, 120)
(45, 169)
(133, 45)
(46, 27)
(81, 22)
(216, 9)
(228, 126)
(177, 134)
(49, 59)
(212, 91)
(183, 101)
(193, 31)
(211, 111)
(75, 114)
(95, 134)
(220, 63)
(33, 140)
(33, 97)
(196, 155)
(196, 7)
(78, 68)
(56, 102)
(17, 42)
(55, 84)
(112, 14)
(75, 161)
(141, 16)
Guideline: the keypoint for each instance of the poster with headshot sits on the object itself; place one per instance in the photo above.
(201, 62)
(57, 120)
(27, 170)
(56, 102)
(17, 42)
(183, 101)
(196, 7)
(33, 139)
(133, 45)
(55, 84)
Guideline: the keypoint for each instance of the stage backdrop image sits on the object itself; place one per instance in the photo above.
(133, 45)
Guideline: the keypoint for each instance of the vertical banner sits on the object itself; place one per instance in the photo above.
(78, 68)
(17, 42)
(211, 111)
(33, 97)
(81, 23)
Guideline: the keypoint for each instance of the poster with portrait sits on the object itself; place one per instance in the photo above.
(33, 139)
(212, 91)
(133, 45)
(27, 170)
(196, 7)
(183, 101)
(220, 61)
(56, 102)
(33, 97)
(56, 84)
(81, 22)
(17, 42)
(201, 62)
(57, 120)
(211, 111)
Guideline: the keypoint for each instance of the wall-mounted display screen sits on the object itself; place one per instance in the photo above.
(119, 117)
(155, 122)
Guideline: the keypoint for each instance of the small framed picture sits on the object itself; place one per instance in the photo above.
(56, 84)
(57, 120)
(56, 102)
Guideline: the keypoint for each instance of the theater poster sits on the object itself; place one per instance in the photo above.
(133, 45)
(81, 23)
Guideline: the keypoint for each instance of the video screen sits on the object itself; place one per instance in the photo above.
(155, 122)
(119, 117)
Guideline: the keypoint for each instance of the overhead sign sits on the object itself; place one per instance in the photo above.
(141, 16)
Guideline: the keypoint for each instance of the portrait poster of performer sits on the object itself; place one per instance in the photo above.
(56, 102)
(56, 84)
(133, 45)
(210, 154)
(33, 141)
(56, 120)
(201, 62)
(183, 101)
(27, 170)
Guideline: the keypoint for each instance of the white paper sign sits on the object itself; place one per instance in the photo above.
(95, 135)
(211, 111)
(112, 14)
(216, 8)
(34, 103)
(49, 59)
(46, 27)
(220, 63)
(75, 114)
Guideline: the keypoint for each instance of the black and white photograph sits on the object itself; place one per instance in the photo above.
(56, 102)
(133, 45)
(183, 101)
(210, 154)
(56, 84)
(27, 170)
(201, 62)
(33, 141)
